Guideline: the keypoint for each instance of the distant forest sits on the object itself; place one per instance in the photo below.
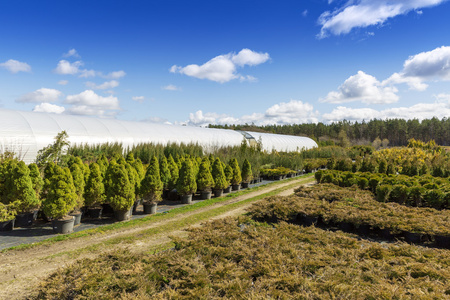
(397, 131)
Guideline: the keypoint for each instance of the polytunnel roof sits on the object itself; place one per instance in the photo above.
(25, 133)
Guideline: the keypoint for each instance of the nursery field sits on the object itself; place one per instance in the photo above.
(24, 267)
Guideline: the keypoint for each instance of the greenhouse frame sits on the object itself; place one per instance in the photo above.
(25, 133)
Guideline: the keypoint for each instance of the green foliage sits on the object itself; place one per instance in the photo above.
(186, 183)
(94, 192)
(78, 181)
(165, 172)
(119, 190)
(237, 178)
(54, 152)
(204, 177)
(7, 213)
(61, 197)
(152, 186)
(140, 174)
(174, 172)
(228, 173)
(218, 174)
(20, 189)
(247, 174)
(36, 179)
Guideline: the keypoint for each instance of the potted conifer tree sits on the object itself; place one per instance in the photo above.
(220, 181)
(186, 184)
(237, 178)
(119, 191)
(61, 199)
(164, 172)
(174, 174)
(228, 170)
(204, 179)
(7, 217)
(247, 175)
(94, 192)
(151, 187)
(20, 192)
(78, 180)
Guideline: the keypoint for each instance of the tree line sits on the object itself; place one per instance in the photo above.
(396, 131)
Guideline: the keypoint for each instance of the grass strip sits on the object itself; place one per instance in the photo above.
(157, 217)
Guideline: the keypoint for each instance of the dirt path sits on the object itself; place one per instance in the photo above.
(21, 271)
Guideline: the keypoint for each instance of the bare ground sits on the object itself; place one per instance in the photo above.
(22, 270)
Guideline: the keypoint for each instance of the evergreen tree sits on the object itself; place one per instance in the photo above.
(140, 173)
(220, 181)
(36, 179)
(79, 183)
(119, 190)
(165, 172)
(204, 178)
(54, 152)
(94, 192)
(247, 174)
(103, 163)
(151, 186)
(20, 189)
(174, 172)
(62, 196)
(228, 173)
(186, 182)
(237, 178)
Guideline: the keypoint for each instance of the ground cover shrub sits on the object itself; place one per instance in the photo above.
(335, 204)
(243, 259)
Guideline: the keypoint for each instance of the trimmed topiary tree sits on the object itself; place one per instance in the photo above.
(164, 173)
(151, 185)
(61, 197)
(204, 178)
(78, 180)
(36, 179)
(186, 184)
(174, 172)
(237, 178)
(94, 192)
(220, 180)
(247, 174)
(119, 190)
(20, 189)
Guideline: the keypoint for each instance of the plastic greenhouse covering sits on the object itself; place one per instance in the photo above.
(25, 133)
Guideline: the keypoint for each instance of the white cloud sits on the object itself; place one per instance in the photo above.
(222, 68)
(104, 86)
(430, 65)
(15, 66)
(139, 99)
(171, 87)
(63, 82)
(282, 113)
(72, 52)
(305, 13)
(364, 13)
(49, 108)
(115, 74)
(362, 87)
(40, 95)
(89, 103)
(65, 67)
(420, 111)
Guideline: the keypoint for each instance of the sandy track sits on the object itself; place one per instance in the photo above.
(22, 270)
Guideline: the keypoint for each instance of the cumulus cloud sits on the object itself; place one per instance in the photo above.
(104, 86)
(63, 82)
(171, 87)
(364, 13)
(40, 95)
(15, 66)
(115, 74)
(49, 108)
(281, 113)
(430, 65)
(72, 52)
(65, 67)
(222, 68)
(89, 103)
(365, 88)
(420, 111)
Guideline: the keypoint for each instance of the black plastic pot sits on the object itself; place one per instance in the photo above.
(235, 187)
(205, 195)
(244, 185)
(77, 217)
(227, 190)
(26, 220)
(218, 193)
(122, 215)
(186, 199)
(63, 226)
(150, 208)
(7, 225)
(95, 213)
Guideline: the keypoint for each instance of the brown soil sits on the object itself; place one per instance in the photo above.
(22, 270)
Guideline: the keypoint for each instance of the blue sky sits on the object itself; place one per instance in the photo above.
(201, 62)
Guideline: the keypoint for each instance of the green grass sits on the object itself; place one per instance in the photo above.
(168, 215)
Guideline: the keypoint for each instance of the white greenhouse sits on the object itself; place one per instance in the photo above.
(25, 133)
